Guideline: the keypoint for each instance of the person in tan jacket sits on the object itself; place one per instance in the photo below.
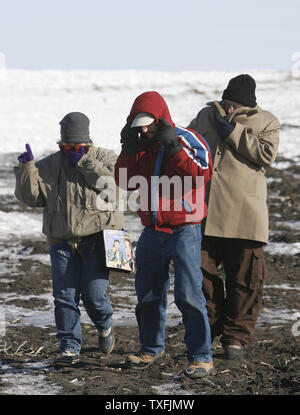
(64, 184)
(244, 140)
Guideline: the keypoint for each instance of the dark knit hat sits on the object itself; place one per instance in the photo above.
(74, 128)
(241, 89)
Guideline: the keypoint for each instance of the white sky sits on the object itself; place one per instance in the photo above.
(153, 34)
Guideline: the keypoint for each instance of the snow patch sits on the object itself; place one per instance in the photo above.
(281, 248)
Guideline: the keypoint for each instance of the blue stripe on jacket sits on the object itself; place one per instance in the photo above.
(155, 181)
(192, 141)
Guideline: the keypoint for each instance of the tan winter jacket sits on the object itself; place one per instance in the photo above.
(68, 195)
(237, 193)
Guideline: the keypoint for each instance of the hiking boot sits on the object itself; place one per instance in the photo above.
(106, 340)
(199, 369)
(142, 360)
(233, 351)
(66, 358)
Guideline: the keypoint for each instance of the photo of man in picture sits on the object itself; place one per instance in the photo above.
(115, 257)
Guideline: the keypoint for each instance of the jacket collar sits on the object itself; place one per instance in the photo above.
(239, 111)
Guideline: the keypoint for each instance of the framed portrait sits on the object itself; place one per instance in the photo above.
(118, 250)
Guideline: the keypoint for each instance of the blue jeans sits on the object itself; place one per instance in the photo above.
(153, 254)
(79, 274)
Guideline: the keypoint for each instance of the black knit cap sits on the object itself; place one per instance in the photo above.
(241, 89)
(74, 128)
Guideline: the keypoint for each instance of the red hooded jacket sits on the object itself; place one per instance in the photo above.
(164, 206)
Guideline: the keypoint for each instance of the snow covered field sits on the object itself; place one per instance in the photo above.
(33, 102)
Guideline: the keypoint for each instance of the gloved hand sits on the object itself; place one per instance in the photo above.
(129, 139)
(166, 134)
(73, 157)
(224, 128)
(27, 155)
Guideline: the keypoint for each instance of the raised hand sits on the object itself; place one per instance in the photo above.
(129, 139)
(224, 128)
(73, 157)
(166, 134)
(27, 155)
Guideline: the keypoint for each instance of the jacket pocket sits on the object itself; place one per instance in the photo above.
(258, 269)
(248, 269)
(91, 200)
(53, 197)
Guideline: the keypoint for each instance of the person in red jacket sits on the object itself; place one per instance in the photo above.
(157, 151)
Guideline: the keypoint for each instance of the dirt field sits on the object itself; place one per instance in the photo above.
(271, 365)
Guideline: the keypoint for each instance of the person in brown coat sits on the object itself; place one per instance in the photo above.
(244, 140)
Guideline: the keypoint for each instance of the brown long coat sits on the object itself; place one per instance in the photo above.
(237, 193)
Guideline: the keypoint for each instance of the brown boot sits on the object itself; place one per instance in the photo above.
(199, 369)
(142, 360)
(233, 351)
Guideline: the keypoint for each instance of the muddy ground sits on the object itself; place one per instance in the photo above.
(271, 365)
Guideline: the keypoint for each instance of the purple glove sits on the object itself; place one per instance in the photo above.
(27, 156)
(224, 128)
(73, 157)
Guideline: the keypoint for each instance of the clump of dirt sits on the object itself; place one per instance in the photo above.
(271, 364)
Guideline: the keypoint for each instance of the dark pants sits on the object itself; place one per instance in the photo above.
(234, 315)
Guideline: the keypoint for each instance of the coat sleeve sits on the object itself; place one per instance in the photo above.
(260, 149)
(186, 164)
(194, 159)
(126, 167)
(193, 124)
(197, 123)
(93, 166)
(28, 185)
